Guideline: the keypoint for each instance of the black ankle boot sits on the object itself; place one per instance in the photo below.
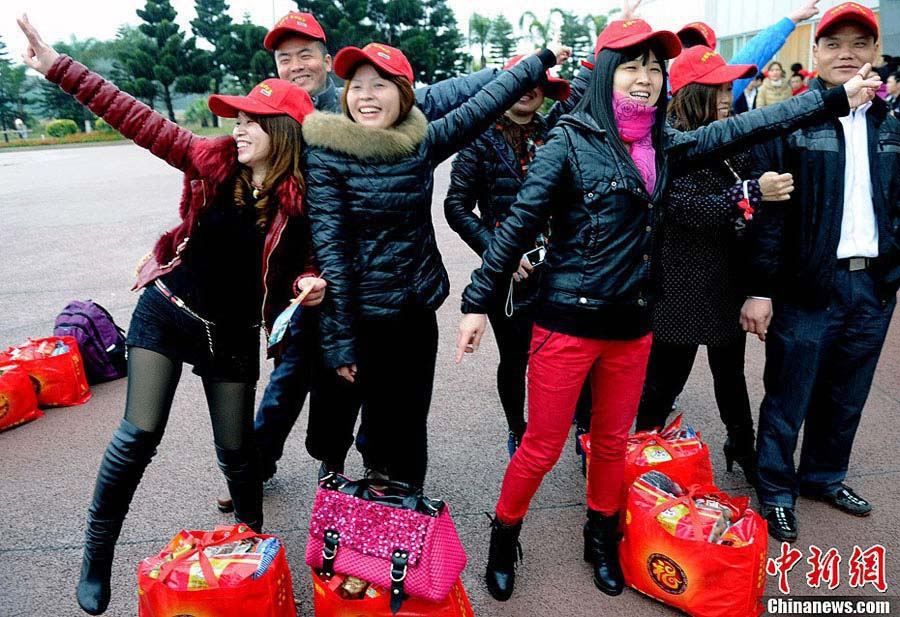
(128, 454)
(504, 552)
(244, 485)
(601, 550)
(739, 449)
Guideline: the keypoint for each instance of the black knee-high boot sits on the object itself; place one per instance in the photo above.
(244, 483)
(128, 454)
(601, 549)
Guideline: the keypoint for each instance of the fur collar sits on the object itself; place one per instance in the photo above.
(339, 133)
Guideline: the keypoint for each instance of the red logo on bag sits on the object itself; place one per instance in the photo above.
(666, 574)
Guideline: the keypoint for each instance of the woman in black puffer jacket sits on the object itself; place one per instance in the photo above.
(369, 181)
(487, 174)
(598, 180)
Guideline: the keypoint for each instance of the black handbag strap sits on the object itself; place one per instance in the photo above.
(332, 540)
(396, 494)
(399, 559)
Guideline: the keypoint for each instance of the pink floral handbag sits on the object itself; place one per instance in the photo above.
(398, 538)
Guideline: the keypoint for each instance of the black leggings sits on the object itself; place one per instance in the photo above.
(152, 379)
(668, 370)
(513, 336)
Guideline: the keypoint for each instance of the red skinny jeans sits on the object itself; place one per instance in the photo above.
(557, 368)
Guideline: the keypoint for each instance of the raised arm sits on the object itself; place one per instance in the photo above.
(438, 99)
(467, 183)
(763, 47)
(579, 87)
(123, 112)
(760, 125)
(462, 125)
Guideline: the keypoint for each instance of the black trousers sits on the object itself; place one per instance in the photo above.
(668, 370)
(513, 336)
(395, 377)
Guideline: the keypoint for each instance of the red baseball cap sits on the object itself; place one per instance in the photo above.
(389, 59)
(627, 33)
(848, 11)
(301, 24)
(702, 65)
(704, 30)
(271, 97)
(554, 87)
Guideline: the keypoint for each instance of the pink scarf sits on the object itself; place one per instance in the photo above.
(635, 121)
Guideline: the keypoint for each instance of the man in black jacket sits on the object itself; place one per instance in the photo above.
(830, 262)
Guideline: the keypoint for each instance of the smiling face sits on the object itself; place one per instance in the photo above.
(527, 105)
(724, 99)
(254, 146)
(303, 61)
(640, 79)
(842, 52)
(372, 100)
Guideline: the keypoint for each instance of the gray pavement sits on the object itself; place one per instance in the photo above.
(75, 222)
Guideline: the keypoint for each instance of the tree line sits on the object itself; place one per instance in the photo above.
(157, 60)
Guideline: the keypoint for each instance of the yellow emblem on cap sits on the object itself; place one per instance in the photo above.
(265, 90)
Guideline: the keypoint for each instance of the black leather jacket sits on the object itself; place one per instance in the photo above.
(369, 194)
(796, 250)
(598, 281)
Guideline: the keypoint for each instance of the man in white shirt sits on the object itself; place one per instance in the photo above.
(830, 263)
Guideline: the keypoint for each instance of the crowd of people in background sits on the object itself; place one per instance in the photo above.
(618, 232)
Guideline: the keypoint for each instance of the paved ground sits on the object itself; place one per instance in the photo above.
(74, 223)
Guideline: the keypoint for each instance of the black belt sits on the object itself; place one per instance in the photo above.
(855, 263)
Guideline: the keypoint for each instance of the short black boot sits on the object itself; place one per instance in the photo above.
(244, 485)
(504, 552)
(601, 550)
(128, 454)
(739, 449)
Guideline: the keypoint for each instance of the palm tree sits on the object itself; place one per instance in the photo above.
(540, 31)
(479, 33)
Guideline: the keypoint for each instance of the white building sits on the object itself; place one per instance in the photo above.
(737, 21)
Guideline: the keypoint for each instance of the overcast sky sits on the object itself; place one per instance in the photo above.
(60, 19)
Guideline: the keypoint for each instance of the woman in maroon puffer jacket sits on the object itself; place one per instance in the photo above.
(205, 282)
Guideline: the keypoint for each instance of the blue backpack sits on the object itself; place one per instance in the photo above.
(100, 341)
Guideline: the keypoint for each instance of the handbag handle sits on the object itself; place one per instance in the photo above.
(398, 494)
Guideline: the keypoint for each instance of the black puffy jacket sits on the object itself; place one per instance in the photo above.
(369, 198)
(598, 281)
(796, 251)
(486, 174)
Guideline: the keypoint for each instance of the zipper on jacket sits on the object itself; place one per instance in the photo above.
(262, 308)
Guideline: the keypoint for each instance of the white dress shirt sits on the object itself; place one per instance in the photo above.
(859, 229)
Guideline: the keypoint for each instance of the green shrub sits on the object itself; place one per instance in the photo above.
(102, 125)
(61, 128)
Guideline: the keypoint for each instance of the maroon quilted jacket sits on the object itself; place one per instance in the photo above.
(207, 163)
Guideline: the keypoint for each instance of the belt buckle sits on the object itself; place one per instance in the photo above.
(857, 263)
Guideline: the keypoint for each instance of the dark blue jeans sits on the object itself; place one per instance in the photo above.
(333, 403)
(819, 368)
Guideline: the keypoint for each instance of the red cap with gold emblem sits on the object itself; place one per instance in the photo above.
(627, 33)
(271, 97)
(389, 59)
(848, 11)
(702, 65)
(301, 24)
(704, 30)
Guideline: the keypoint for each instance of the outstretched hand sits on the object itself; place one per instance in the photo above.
(39, 55)
(861, 89)
(629, 9)
(807, 11)
(562, 52)
(471, 329)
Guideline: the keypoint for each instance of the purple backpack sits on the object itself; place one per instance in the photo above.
(100, 341)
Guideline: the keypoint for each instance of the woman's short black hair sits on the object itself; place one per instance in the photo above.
(598, 97)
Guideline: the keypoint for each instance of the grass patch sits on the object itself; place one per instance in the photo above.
(98, 136)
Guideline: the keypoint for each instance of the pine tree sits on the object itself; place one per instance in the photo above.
(6, 101)
(243, 56)
(214, 25)
(479, 33)
(502, 40)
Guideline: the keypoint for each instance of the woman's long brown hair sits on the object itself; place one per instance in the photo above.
(284, 162)
(693, 106)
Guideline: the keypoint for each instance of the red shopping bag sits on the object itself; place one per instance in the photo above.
(666, 553)
(375, 602)
(228, 572)
(18, 403)
(677, 451)
(55, 367)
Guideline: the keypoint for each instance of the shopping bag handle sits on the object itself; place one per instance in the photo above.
(643, 441)
(688, 500)
(208, 539)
